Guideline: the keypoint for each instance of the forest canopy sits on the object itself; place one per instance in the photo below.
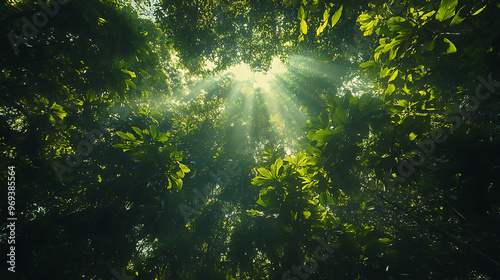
(250, 139)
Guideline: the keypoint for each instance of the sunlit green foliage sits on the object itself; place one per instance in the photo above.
(136, 144)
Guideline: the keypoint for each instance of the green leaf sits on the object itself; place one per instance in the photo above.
(303, 27)
(130, 83)
(324, 23)
(336, 16)
(265, 173)
(393, 52)
(299, 160)
(340, 116)
(429, 46)
(302, 14)
(184, 168)
(368, 64)
(451, 47)
(56, 113)
(177, 183)
(180, 174)
(126, 136)
(154, 131)
(478, 10)
(307, 214)
(259, 181)
(138, 131)
(121, 145)
(384, 72)
(132, 74)
(457, 18)
(261, 202)
(404, 103)
(394, 75)
(446, 10)
(325, 14)
(395, 42)
(323, 136)
(412, 136)
(253, 212)
(276, 167)
(320, 29)
(399, 24)
(368, 23)
(426, 16)
(384, 240)
(390, 89)
(363, 100)
(162, 137)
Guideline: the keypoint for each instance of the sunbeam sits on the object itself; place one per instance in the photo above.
(276, 101)
(243, 73)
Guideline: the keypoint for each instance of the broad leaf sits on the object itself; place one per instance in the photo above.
(126, 136)
(458, 18)
(303, 27)
(394, 75)
(323, 136)
(390, 89)
(154, 131)
(184, 168)
(307, 214)
(138, 131)
(399, 24)
(265, 173)
(132, 74)
(446, 10)
(451, 47)
(336, 16)
(324, 23)
(302, 14)
(384, 240)
(275, 168)
(130, 83)
(340, 116)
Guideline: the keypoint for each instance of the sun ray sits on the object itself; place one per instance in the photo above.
(272, 105)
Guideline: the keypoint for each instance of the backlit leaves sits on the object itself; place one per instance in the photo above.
(303, 26)
(56, 113)
(336, 16)
(451, 47)
(324, 22)
(446, 9)
(399, 24)
(368, 23)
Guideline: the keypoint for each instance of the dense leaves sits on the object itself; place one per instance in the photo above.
(364, 144)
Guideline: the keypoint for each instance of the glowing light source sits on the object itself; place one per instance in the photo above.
(243, 73)
(210, 65)
(277, 67)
